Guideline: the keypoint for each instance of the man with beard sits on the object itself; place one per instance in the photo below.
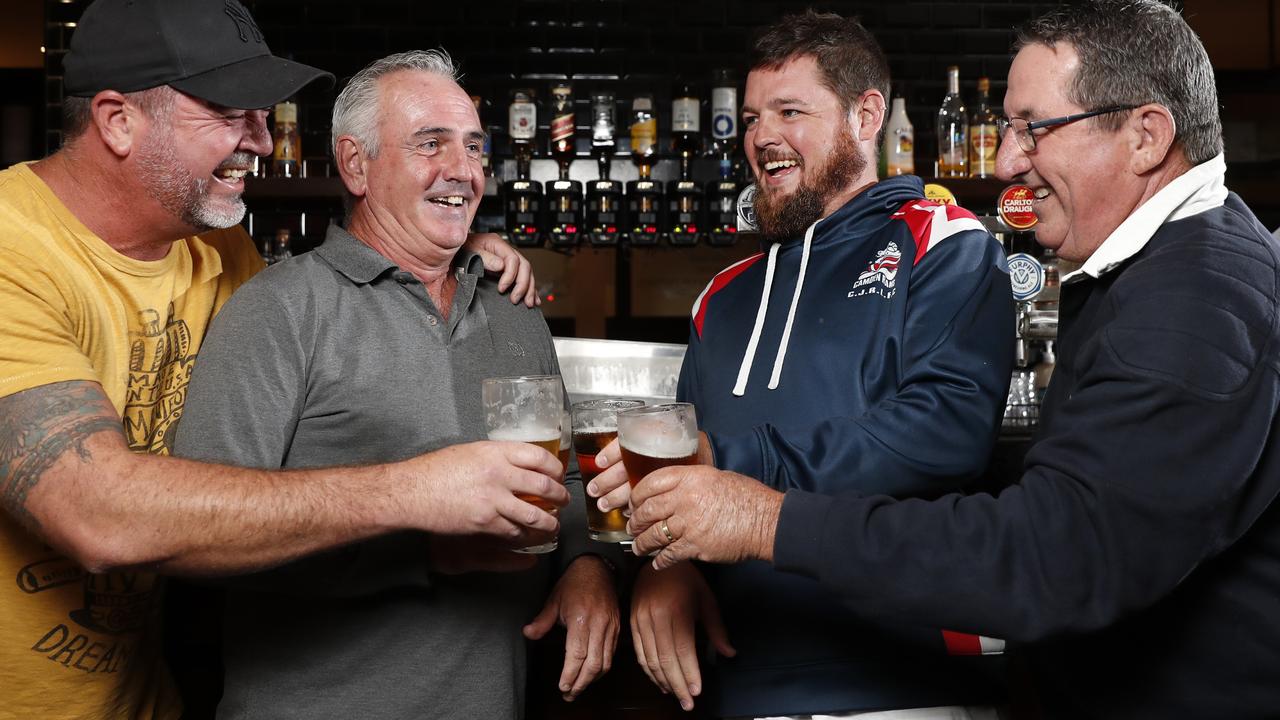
(877, 362)
(115, 252)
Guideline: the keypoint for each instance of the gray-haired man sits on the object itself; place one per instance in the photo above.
(372, 348)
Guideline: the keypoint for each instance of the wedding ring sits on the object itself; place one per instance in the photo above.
(667, 531)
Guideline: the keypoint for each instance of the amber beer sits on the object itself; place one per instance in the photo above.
(528, 408)
(657, 436)
(640, 463)
(551, 445)
(603, 526)
(595, 425)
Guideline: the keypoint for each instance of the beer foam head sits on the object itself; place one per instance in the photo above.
(667, 448)
(526, 433)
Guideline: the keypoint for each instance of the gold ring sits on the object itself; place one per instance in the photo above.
(667, 531)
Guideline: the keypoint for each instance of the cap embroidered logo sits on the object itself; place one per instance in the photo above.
(244, 22)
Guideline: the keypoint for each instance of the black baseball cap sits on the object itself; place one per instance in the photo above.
(210, 49)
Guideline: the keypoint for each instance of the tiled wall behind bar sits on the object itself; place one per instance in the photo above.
(644, 42)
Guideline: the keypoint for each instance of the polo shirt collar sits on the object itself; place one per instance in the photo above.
(1201, 188)
(362, 264)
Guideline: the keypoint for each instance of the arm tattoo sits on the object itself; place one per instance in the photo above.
(37, 427)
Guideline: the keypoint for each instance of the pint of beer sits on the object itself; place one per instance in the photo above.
(528, 409)
(595, 425)
(657, 436)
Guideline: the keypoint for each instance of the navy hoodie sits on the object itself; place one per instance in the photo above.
(886, 373)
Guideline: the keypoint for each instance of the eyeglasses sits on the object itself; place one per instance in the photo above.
(1024, 131)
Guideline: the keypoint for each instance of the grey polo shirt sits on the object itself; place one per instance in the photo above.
(338, 357)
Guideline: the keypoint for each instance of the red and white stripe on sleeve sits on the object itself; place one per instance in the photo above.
(932, 222)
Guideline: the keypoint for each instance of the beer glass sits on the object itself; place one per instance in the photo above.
(595, 424)
(657, 436)
(526, 409)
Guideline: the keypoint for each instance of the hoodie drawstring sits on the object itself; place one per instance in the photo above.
(744, 370)
(791, 314)
(748, 357)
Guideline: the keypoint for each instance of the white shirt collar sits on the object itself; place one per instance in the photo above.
(1201, 188)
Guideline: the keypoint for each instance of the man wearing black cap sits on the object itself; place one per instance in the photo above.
(115, 252)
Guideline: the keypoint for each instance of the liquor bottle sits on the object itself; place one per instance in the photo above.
(522, 128)
(686, 128)
(604, 196)
(644, 134)
(562, 127)
(523, 196)
(684, 197)
(644, 196)
(899, 142)
(724, 120)
(604, 126)
(285, 157)
(983, 134)
(280, 249)
(722, 194)
(564, 196)
(953, 129)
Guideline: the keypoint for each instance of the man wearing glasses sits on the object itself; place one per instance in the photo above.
(1138, 559)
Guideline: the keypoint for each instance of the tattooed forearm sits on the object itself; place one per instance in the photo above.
(37, 427)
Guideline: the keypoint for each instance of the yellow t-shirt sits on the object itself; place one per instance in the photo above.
(71, 308)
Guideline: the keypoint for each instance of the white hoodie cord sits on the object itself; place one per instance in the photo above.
(791, 314)
(740, 387)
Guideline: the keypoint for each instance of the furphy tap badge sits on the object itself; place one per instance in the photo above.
(1026, 275)
(747, 209)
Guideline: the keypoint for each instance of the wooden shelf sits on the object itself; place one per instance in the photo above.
(293, 188)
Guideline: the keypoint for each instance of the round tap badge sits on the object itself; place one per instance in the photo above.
(1014, 207)
(939, 194)
(1026, 276)
(747, 209)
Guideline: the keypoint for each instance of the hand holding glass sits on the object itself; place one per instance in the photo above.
(595, 425)
(528, 409)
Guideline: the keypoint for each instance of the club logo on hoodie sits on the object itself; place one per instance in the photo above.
(881, 275)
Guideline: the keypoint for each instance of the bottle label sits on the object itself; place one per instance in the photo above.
(522, 120)
(724, 113)
(286, 112)
(644, 135)
(983, 140)
(562, 127)
(684, 115)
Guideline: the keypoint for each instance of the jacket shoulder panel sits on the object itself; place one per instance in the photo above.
(718, 283)
(932, 222)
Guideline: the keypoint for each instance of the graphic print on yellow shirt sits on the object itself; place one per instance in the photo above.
(75, 644)
(161, 358)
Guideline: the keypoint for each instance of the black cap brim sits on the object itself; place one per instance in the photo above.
(256, 82)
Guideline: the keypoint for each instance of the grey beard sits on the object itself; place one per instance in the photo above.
(179, 192)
